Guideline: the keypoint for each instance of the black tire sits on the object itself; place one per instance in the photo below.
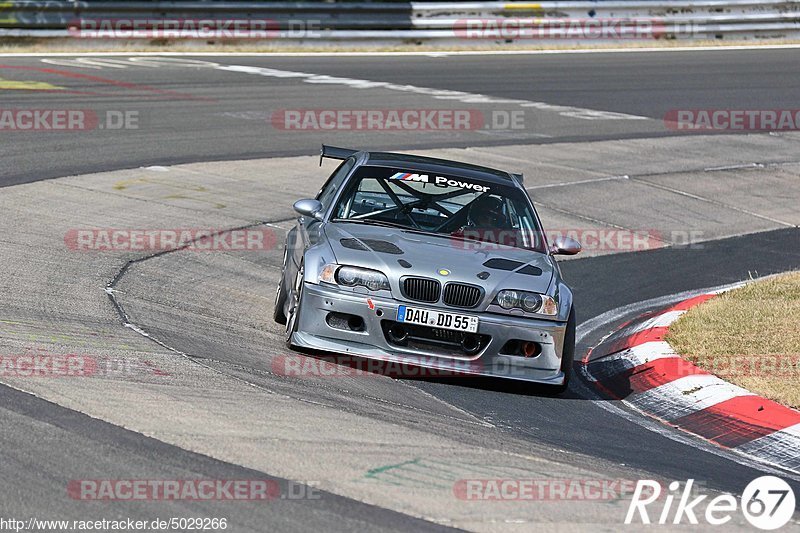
(280, 300)
(295, 297)
(567, 354)
(280, 295)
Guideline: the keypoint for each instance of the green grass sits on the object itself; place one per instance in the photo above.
(749, 336)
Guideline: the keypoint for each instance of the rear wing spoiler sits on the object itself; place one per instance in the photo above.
(333, 152)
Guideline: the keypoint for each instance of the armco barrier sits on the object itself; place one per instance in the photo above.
(53, 14)
(423, 21)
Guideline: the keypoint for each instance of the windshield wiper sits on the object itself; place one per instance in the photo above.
(407, 229)
(372, 222)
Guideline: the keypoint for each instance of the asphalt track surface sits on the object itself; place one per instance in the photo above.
(44, 442)
(218, 115)
(45, 445)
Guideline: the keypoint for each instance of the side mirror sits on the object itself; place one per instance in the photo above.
(565, 246)
(309, 208)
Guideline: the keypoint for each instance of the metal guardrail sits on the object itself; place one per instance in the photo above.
(57, 14)
(423, 21)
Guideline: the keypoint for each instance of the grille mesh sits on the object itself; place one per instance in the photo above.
(460, 295)
(422, 289)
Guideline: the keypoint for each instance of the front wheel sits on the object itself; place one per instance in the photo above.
(280, 295)
(567, 354)
(280, 300)
(295, 298)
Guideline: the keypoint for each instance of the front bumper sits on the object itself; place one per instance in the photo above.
(314, 332)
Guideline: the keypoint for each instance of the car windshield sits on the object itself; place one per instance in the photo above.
(446, 205)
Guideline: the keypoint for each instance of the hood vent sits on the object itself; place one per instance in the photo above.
(498, 263)
(365, 245)
(530, 270)
(354, 244)
(384, 247)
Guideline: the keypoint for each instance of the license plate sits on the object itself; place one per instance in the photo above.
(437, 319)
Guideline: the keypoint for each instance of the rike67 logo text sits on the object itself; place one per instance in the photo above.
(767, 503)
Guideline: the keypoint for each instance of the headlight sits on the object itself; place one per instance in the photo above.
(530, 302)
(328, 273)
(352, 277)
(508, 299)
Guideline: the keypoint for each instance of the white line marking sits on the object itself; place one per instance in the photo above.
(579, 182)
(587, 114)
(171, 62)
(103, 62)
(734, 167)
(512, 133)
(70, 63)
(440, 94)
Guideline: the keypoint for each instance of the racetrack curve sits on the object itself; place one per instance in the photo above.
(190, 112)
(217, 408)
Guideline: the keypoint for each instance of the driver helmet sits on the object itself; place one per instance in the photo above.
(486, 212)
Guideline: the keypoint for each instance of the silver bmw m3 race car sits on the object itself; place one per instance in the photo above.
(427, 262)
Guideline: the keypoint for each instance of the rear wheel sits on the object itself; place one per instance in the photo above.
(293, 315)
